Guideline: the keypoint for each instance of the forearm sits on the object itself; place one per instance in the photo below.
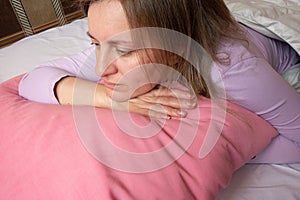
(38, 84)
(75, 91)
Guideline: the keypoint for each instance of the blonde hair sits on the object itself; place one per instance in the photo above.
(207, 22)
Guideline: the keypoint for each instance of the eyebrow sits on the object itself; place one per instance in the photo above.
(114, 42)
(88, 33)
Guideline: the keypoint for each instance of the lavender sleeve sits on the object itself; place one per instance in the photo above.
(38, 84)
(255, 85)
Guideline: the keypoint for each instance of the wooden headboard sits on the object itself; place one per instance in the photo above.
(21, 18)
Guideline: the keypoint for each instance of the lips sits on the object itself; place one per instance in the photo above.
(114, 86)
(108, 84)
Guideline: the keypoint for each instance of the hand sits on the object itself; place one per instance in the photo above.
(160, 103)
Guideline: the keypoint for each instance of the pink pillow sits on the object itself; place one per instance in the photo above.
(58, 152)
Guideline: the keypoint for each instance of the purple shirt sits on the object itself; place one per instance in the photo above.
(252, 80)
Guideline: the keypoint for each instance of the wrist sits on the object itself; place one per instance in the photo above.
(102, 100)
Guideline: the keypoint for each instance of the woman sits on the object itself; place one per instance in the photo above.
(248, 62)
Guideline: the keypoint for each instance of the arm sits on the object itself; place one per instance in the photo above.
(54, 82)
(39, 84)
(159, 103)
(255, 85)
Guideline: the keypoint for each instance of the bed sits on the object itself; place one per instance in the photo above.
(252, 181)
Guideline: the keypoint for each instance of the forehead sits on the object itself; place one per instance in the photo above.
(106, 19)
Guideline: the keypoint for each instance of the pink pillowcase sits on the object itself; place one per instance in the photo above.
(60, 152)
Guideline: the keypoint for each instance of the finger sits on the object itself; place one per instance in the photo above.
(163, 91)
(151, 113)
(148, 109)
(170, 101)
(158, 108)
(168, 110)
(158, 115)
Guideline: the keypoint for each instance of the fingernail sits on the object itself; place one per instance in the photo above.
(194, 104)
(165, 117)
(182, 113)
(191, 104)
(187, 104)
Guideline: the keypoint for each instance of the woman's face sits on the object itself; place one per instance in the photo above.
(118, 63)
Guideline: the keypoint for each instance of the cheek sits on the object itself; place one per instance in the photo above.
(127, 64)
(133, 73)
(134, 78)
(133, 83)
(134, 60)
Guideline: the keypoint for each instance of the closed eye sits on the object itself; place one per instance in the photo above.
(123, 52)
(93, 40)
(95, 43)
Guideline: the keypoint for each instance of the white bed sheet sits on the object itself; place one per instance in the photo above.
(251, 182)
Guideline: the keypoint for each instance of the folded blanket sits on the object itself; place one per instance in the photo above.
(278, 19)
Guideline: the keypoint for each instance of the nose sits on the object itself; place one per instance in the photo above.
(109, 70)
(105, 65)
